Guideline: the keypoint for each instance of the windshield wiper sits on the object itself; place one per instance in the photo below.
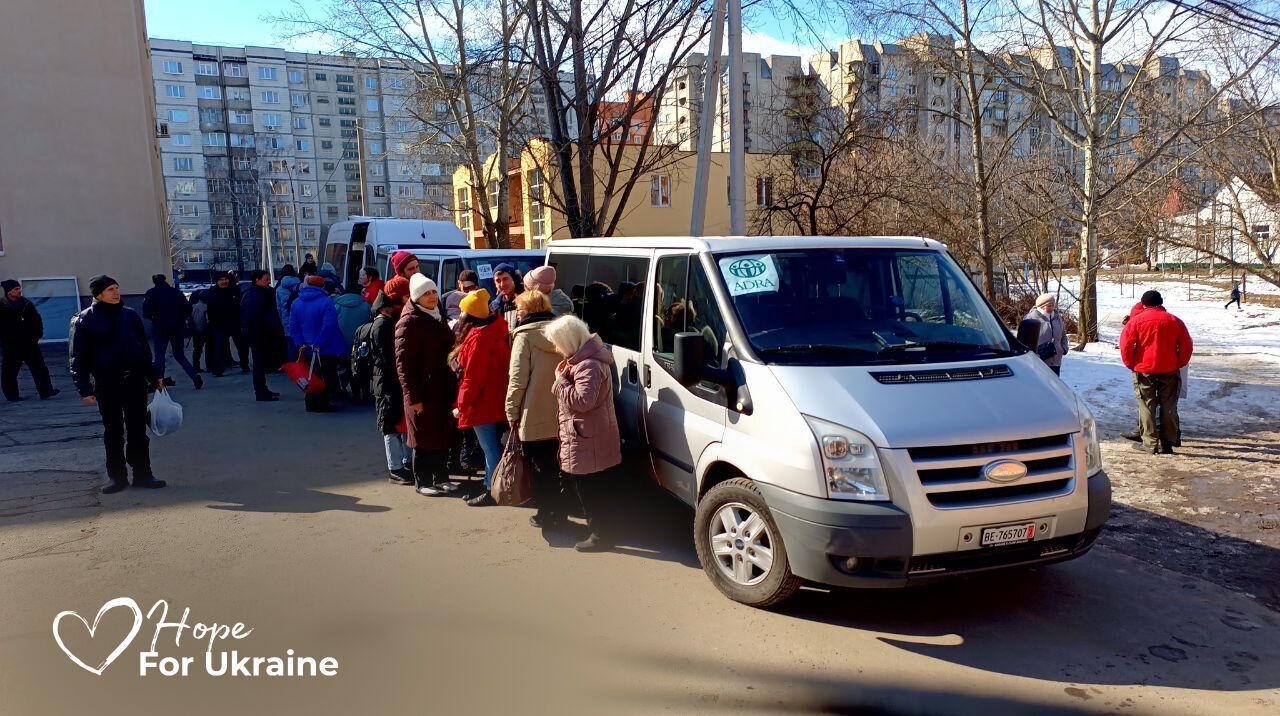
(815, 348)
(944, 345)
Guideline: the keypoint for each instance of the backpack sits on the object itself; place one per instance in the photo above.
(362, 348)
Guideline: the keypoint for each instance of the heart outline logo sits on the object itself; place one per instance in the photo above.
(117, 602)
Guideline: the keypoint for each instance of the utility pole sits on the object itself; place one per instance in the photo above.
(737, 126)
(706, 119)
(293, 200)
(364, 204)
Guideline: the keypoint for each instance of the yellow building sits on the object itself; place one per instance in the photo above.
(659, 204)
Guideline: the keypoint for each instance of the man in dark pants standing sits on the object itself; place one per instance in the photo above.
(21, 329)
(261, 327)
(168, 311)
(111, 365)
(1155, 345)
(223, 300)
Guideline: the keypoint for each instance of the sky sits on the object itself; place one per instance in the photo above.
(243, 22)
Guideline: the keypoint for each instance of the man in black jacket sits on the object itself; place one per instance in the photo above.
(223, 300)
(168, 311)
(260, 324)
(111, 366)
(21, 329)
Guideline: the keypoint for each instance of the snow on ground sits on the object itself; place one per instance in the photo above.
(1214, 507)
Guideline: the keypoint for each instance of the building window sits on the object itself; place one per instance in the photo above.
(660, 190)
(349, 89)
(395, 82)
(211, 115)
(267, 73)
(213, 139)
(242, 164)
(176, 91)
(322, 77)
(194, 257)
(873, 69)
(271, 97)
(1261, 233)
(172, 67)
(324, 122)
(273, 143)
(442, 108)
(326, 144)
(375, 148)
(330, 189)
(238, 94)
(376, 170)
(179, 115)
(271, 121)
(278, 165)
(303, 145)
(764, 192)
(537, 212)
(242, 140)
(241, 118)
(233, 69)
(370, 82)
(464, 209)
(180, 140)
(182, 164)
(280, 188)
(207, 68)
(210, 92)
(307, 190)
(295, 76)
(299, 122)
(380, 191)
(371, 105)
(431, 170)
(298, 100)
(344, 78)
(184, 188)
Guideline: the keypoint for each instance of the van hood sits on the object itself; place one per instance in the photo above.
(1032, 402)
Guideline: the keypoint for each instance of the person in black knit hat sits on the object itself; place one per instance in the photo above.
(110, 362)
(21, 329)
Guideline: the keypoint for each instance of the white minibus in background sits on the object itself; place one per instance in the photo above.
(441, 248)
(846, 411)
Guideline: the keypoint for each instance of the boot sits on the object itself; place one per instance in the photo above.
(148, 482)
(114, 486)
(594, 543)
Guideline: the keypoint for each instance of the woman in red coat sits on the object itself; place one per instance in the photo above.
(423, 342)
(484, 357)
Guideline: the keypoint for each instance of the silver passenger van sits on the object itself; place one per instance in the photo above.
(847, 411)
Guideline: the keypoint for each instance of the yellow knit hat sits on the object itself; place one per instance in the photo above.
(475, 304)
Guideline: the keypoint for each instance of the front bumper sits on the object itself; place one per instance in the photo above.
(819, 535)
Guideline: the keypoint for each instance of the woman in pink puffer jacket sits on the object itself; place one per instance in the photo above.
(589, 440)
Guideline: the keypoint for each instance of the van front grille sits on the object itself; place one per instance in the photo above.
(953, 475)
(951, 375)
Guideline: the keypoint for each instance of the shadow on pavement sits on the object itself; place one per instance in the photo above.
(300, 502)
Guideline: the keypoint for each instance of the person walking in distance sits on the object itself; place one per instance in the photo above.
(423, 342)
(168, 310)
(198, 327)
(1053, 332)
(261, 327)
(531, 406)
(589, 440)
(313, 322)
(111, 365)
(483, 357)
(1155, 345)
(543, 278)
(387, 396)
(1235, 297)
(21, 329)
(223, 300)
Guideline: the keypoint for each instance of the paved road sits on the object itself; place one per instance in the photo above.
(283, 521)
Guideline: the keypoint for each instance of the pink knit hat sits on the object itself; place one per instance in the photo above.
(542, 279)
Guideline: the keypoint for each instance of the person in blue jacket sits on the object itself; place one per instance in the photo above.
(286, 292)
(313, 322)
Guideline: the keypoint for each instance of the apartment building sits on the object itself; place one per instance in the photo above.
(769, 99)
(314, 138)
(81, 173)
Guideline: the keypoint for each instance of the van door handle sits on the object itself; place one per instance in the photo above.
(633, 375)
(647, 375)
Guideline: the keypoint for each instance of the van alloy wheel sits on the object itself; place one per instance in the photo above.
(742, 544)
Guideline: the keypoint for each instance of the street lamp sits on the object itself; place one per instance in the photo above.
(293, 201)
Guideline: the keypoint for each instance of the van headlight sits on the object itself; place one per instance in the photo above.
(850, 465)
(1089, 429)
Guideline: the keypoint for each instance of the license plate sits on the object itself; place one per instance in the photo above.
(1008, 534)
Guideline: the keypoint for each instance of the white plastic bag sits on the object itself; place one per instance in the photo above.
(166, 415)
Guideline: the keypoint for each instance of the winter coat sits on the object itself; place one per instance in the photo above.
(452, 303)
(353, 312)
(533, 370)
(286, 294)
(423, 343)
(224, 309)
(485, 357)
(313, 321)
(1155, 341)
(167, 309)
(107, 341)
(1053, 331)
(259, 320)
(589, 439)
(501, 305)
(20, 323)
(561, 304)
(387, 396)
(199, 320)
(370, 293)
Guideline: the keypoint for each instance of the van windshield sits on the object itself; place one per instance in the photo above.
(854, 306)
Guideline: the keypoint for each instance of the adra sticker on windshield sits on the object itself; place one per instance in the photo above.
(484, 271)
(749, 274)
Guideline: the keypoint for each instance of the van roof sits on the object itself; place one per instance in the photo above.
(408, 232)
(748, 243)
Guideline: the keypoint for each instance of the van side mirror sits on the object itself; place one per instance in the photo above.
(690, 350)
(1029, 333)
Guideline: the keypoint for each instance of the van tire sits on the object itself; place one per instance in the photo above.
(779, 583)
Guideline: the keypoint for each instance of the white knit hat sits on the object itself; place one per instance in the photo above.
(1045, 298)
(419, 285)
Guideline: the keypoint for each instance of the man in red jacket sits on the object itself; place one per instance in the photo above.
(1155, 345)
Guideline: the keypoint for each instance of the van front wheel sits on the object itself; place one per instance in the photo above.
(740, 547)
